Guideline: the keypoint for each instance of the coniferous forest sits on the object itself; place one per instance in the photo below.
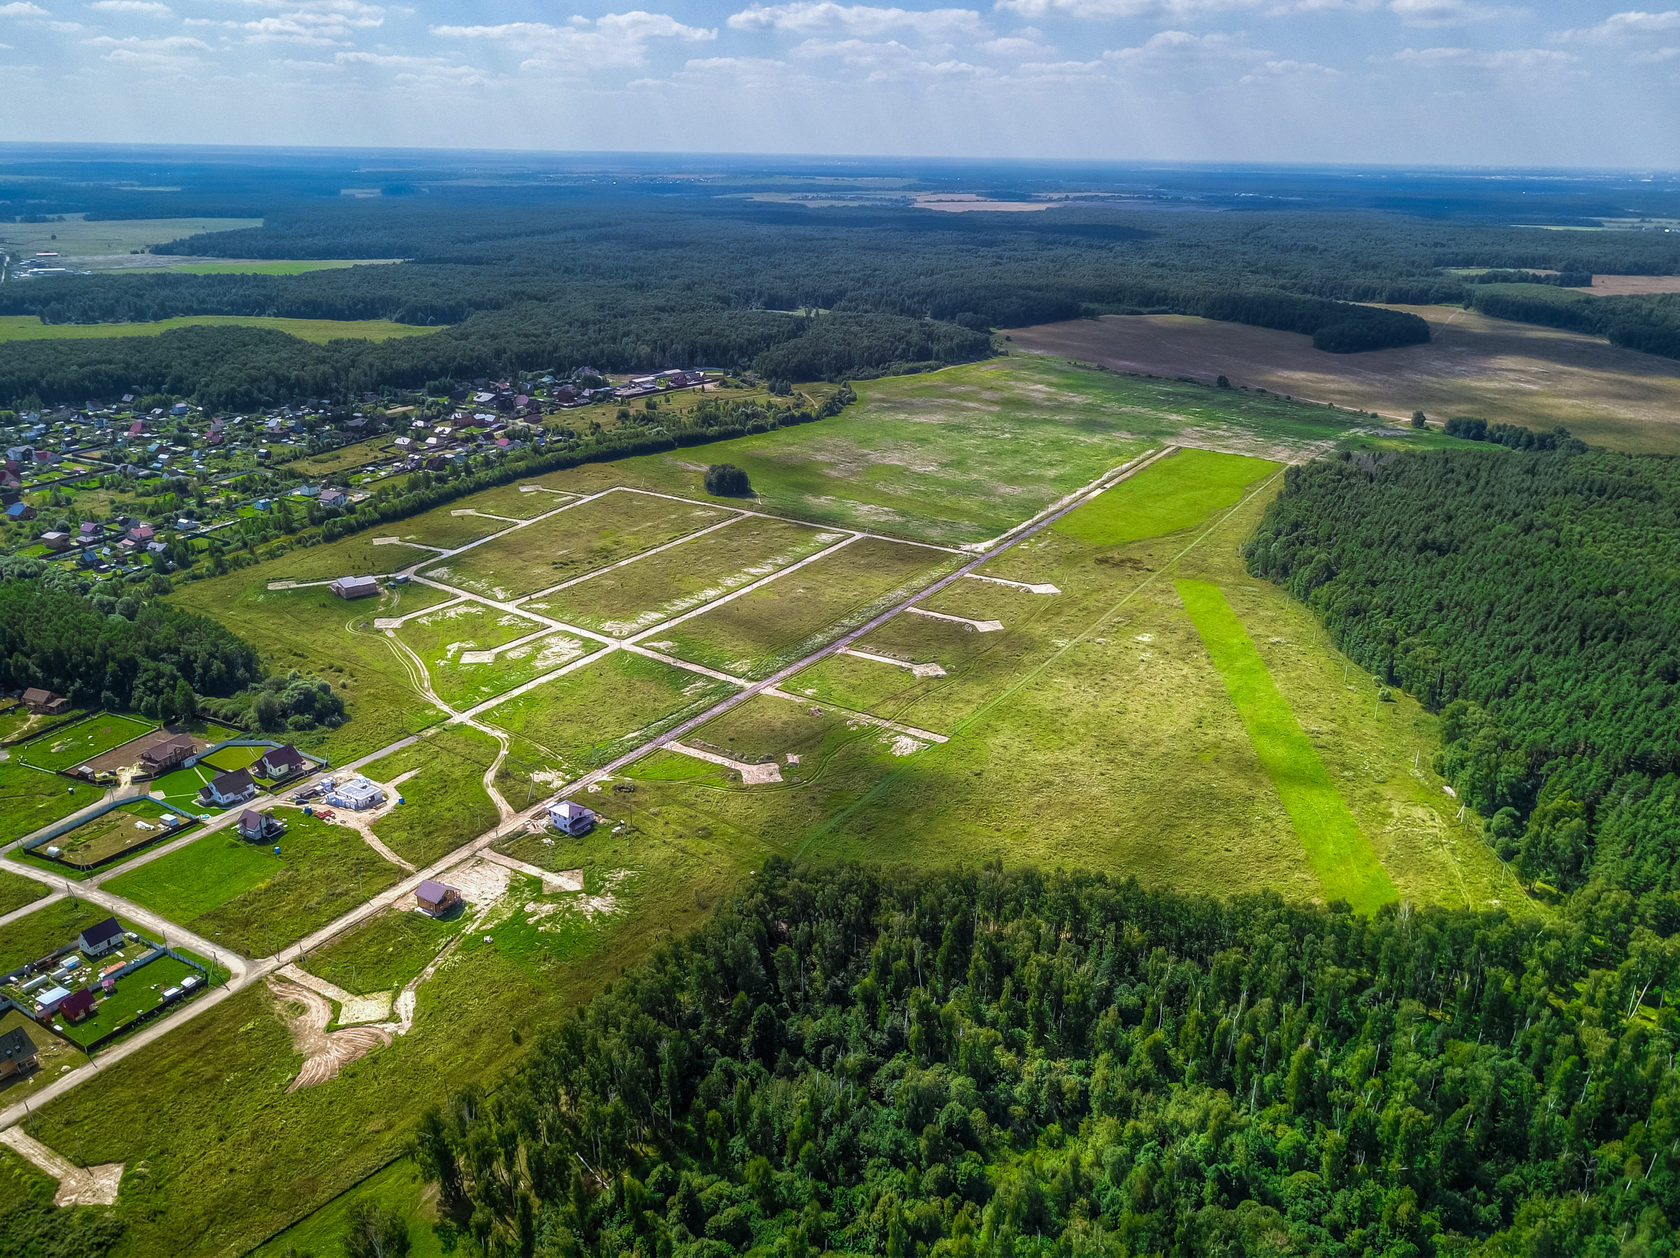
(1530, 597)
(1022, 1064)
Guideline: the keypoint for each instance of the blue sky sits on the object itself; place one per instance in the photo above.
(1453, 82)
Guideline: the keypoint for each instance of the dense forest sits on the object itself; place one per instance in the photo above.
(1532, 597)
(1646, 322)
(1021, 1064)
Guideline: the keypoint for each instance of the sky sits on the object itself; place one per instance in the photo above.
(1408, 82)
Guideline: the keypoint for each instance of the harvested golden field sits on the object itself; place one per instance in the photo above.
(1618, 285)
(1475, 365)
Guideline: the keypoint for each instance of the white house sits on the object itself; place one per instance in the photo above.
(357, 793)
(571, 817)
(231, 788)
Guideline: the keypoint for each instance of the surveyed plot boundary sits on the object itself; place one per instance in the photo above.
(1337, 849)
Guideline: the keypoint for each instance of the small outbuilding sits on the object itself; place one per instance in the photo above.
(571, 817)
(355, 587)
(17, 1053)
(79, 1006)
(435, 899)
(101, 937)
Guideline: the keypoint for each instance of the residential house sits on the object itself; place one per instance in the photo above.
(141, 533)
(79, 1006)
(257, 826)
(334, 497)
(17, 1053)
(435, 899)
(355, 587)
(281, 762)
(357, 793)
(45, 702)
(571, 817)
(20, 511)
(54, 540)
(161, 757)
(230, 788)
(100, 938)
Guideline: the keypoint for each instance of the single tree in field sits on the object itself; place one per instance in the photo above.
(375, 1232)
(1419, 420)
(727, 481)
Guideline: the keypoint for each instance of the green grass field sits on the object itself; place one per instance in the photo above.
(570, 543)
(442, 638)
(111, 832)
(1340, 854)
(65, 748)
(281, 267)
(630, 598)
(580, 721)
(245, 897)
(48, 927)
(757, 633)
(32, 798)
(75, 237)
(1181, 491)
(17, 891)
(400, 1187)
(445, 802)
(522, 501)
(384, 952)
(319, 331)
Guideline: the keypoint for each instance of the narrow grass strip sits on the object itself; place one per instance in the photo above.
(1338, 851)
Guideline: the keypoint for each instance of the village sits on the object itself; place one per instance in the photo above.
(136, 485)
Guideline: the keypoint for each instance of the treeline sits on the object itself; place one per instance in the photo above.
(1531, 598)
(1649, 323)
(980, 1063)
(233, 368)
(1560, 279)
(149, 657)
(1514, 436)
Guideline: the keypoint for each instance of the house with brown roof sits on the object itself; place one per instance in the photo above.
(234, 787)
(161, 757)
(45, 702)
(355, 587)
(281, 762)
(256, 826)
(435, 899)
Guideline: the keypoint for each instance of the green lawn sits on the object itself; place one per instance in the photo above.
(754, 635)
(400, 1187)
(445, 802)
(571, 543)
(319, 331)
(65, 748)
(1340, 854)
(384, 952)
(227, 759)
(627, 599)
(245, 897)
(1179, 491)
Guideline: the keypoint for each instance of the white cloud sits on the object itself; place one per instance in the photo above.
(1655, 56)
(166, 43)
(1180, 48)
(1437, 13)
(22, 8)
(311, 22)
(1515, 60)
(1633, 24)
(1177, 10)
(140, 8)
(811, 17)
(615, 39)
(1272, 71)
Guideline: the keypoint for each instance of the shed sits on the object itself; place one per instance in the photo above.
(355, 587)
(77, 1006)
(436, 898)
(100, 938)
(49, 1001)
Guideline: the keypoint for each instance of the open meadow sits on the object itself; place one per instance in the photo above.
(1476, 365)
(318, 331)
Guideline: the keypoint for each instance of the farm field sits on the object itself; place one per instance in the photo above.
(284, 266)
(570, 543)
(441, 778)
(1475, 365)
(79, 239)
(522, 501)
(243, 896)
(754, 635)
(578, 722)
(634, 596)
(1180, 492)
(318, 331)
